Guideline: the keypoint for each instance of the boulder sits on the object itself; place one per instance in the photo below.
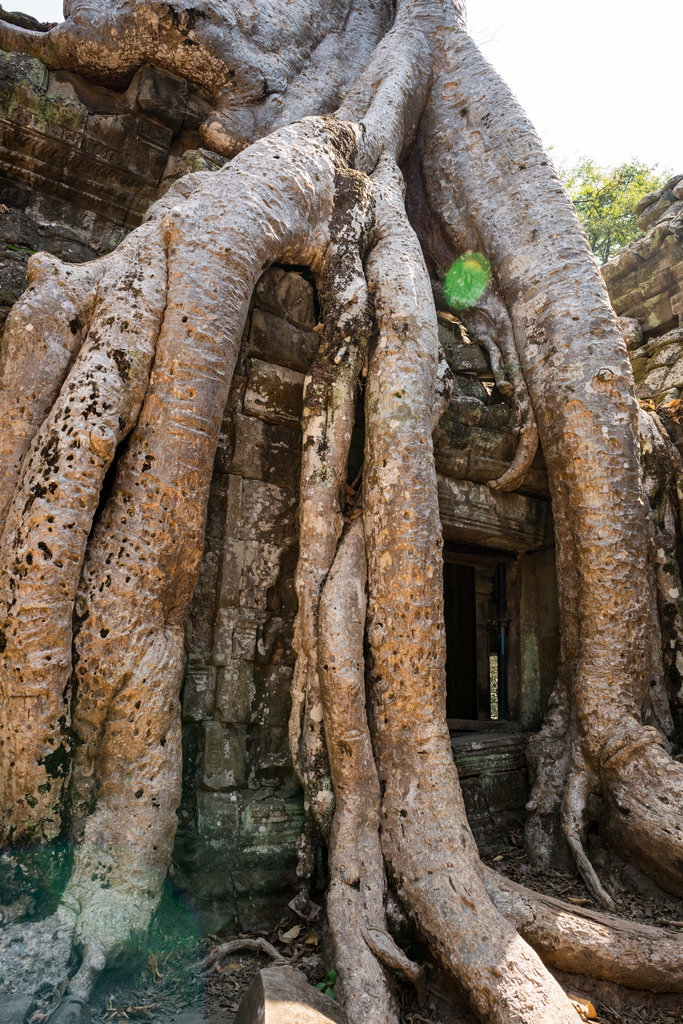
(282, 995)
(14, 1009)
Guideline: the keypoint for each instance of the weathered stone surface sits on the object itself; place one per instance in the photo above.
(93, 150)
(266, 451)
(493, 778)
(15, 1009)
(645, 279)
(20, 236)
(288, 295)
(658, 368)
(488, 752)
(473, 514)
(462, 354)
(242, 808)
(274, 393)
(276, 340)
(37, 953)
(481, 453)
(282, 995)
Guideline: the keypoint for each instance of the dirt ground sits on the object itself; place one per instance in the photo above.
(166, 984)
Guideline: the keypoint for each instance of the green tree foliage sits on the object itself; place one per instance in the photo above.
(604, 198)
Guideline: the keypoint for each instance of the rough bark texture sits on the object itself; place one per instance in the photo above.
(583, 942)
(143, 556)
(425, 837)
(141, 346)
(576, 367)
(47, 528)
(329, 410)
(355, 899)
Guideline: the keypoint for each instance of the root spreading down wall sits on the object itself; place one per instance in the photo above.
(78, 168)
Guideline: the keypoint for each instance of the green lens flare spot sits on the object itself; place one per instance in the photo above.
(467, 280)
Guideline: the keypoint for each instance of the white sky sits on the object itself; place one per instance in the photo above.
(599, 78)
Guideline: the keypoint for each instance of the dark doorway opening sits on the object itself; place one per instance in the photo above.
(460, 613)
(477, 634)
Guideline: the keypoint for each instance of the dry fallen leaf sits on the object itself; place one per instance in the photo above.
(153, 967)
(583, 1007)
(580, 901)
(311, 939)
(292, 934)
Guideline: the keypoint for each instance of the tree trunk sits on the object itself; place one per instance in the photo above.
(142, 345)
(576, 367)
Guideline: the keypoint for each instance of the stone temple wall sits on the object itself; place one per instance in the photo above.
(80, 164)
(645, 279)
(243, 809)
(645, 284)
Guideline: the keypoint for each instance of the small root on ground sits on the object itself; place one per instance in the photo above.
(636, 897)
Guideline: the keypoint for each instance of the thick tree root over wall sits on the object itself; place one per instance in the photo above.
(140, 348)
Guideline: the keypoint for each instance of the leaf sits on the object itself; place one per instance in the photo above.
(331, 977)
(498, 858)
(292, 934)
(153, 967)
(583, 1007)
(321, 986)
(330, 992)
(579, 901)
(311, 939)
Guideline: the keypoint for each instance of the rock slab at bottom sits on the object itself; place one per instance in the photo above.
(282, 995)
(70, 1010)
(15, 1009)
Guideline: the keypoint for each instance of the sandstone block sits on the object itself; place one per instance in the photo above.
(468, 358)
(274, 393)
(471, 513)
(282, 995)
(288, 294)
(276, 340)
(264, 451)
(234, 691)
(654, 211)
(198, 692)
(15, 1009)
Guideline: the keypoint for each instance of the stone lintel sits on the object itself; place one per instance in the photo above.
(472, 513)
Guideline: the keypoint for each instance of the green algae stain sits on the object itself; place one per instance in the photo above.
(467, 280)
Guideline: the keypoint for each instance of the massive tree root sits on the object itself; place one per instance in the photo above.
(357, 891)
(141, 346)
(329, 411)
(263, 70)
(579, 378)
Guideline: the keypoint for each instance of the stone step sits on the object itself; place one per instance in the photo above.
(282, 995)
(488, 752)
